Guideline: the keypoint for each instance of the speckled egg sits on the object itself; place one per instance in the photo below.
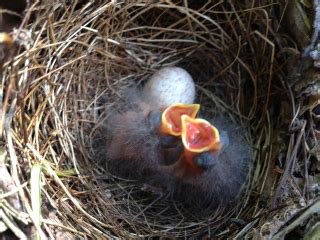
(170, 85)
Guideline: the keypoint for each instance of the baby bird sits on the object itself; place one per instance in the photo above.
(135, 147)
(132, 143)
(212, 172)
(167, 147)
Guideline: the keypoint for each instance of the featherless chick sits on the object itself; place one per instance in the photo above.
(168, 147)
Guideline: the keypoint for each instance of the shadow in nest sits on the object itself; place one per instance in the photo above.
(11, 14)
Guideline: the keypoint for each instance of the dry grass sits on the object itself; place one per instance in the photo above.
(73, 61)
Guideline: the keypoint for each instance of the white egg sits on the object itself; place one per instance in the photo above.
(170, 85)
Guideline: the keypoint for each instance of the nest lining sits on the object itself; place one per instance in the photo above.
(83, 54)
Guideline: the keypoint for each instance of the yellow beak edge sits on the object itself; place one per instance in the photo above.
(171, 117)
(198, 135)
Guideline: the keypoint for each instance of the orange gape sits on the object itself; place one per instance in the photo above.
(171, 117)
(198, 136)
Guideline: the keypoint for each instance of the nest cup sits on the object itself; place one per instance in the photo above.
(70, 72)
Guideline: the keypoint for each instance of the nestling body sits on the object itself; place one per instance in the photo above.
(216, 179)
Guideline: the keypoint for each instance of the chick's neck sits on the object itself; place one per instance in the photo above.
(184, 167)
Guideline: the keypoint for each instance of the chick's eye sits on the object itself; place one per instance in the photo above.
(205, 160)
(169, 141)
(155, 119)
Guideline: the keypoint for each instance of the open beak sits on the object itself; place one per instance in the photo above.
(198, 136)
(171, 117)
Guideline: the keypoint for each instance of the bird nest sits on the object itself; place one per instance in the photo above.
(73, 59)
